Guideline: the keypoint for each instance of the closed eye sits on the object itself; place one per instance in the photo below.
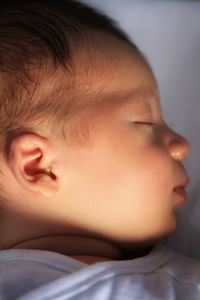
(145, 123)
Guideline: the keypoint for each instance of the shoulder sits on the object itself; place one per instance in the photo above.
(24, 270)
(182, 268)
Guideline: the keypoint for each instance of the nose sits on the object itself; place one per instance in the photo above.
(179, 146)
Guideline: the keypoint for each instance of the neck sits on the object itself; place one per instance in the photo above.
(86, 249)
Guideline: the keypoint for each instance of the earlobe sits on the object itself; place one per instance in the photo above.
(32, 161)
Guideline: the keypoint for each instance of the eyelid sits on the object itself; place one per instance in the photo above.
(145, 123)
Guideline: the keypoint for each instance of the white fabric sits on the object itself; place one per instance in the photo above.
(168, 32)
(45, 275)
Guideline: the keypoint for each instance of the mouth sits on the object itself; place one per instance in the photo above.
(180, 189)
(181, 192)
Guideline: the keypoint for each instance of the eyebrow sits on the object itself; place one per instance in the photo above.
(139, 95)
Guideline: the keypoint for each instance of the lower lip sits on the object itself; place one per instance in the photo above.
(182, 193)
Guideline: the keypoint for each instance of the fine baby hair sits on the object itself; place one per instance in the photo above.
(38, 38)
(41, 44)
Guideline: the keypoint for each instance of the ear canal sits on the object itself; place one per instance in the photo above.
(49, 171)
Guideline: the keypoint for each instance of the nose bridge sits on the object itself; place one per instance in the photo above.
(179, 146)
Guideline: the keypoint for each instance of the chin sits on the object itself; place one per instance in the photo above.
(149, 238)
(165, 231)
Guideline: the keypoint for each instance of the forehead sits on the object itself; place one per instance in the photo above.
(113, 73)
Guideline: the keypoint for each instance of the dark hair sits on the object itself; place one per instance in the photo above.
(37, 37)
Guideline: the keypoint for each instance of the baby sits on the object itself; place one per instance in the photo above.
(91, 175)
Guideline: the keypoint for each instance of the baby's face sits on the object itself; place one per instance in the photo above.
(123, 180)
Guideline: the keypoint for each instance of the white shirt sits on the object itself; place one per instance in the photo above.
(40, 275)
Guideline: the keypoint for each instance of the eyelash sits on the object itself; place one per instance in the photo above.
(145, 123)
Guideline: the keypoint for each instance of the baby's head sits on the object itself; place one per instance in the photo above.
(84, 147)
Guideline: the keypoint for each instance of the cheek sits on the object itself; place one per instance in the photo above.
(153, 166)
(132, 178)
(119, 166)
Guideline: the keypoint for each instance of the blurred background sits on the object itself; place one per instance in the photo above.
(168, 33)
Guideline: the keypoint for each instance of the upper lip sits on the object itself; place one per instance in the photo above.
(183, 183)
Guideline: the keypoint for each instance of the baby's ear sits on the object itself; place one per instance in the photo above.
(32, 160)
